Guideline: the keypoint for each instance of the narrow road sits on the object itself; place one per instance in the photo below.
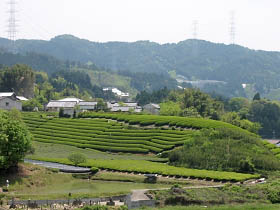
(141, 194)
(61, 167)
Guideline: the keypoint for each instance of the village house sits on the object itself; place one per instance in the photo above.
(124, 107)
(117, 92)
(71, 104)
(152, 108)
(87, 105)
(67, 106)
(10, 100)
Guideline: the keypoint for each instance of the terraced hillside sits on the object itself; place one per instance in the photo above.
(104, 134)
(167, 121)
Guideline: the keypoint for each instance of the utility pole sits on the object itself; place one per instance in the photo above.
(195, 29)
(12, 27)
(232, 27)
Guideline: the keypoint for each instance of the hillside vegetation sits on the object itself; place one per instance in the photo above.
(194, 59)
(128, 133)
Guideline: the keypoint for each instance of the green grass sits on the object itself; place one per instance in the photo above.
(42, 183)
(221, 207)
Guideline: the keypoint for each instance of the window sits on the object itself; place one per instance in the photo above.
(7, 103)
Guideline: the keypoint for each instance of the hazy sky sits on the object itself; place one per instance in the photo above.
(161, 21)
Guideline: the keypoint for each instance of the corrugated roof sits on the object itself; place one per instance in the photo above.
(120, 108)
(87, 103)
(61, 104)
(7, 94)
(22, 98)
(156, 106)
(71, 99)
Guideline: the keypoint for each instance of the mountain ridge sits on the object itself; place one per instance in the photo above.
(194, 59)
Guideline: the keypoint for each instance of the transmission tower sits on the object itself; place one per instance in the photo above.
(232, 27)
(195, 29)
(12, 27)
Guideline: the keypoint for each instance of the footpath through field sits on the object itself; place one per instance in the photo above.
(141, 194)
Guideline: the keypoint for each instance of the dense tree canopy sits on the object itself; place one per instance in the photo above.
(224, 149)
(19, 79)
(15, 139)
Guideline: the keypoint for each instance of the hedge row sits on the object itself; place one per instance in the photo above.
(273, 148)
(97, 147)
(183, 122)
(142, 166)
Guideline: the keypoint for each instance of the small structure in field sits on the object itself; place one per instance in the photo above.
(151, 178)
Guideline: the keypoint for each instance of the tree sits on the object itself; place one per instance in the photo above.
(257, 97)
(31, 104)
(77, 158)
(18, 78)
(61, 112)
(101, 105)
(15, 139)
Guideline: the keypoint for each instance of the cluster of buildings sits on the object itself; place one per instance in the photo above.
(10, 100)
(71, 104)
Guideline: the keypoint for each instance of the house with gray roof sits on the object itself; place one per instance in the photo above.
(124, 107)
(87, 105)
(68, 106)
(9, 100)
(152, 108)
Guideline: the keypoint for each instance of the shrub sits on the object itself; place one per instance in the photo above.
(77, 158)
(94, 170)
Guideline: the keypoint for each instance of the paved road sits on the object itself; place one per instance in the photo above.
(61, 167)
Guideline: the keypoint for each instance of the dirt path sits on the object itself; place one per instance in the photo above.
(141, 194)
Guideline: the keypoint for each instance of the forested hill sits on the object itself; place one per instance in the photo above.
(194, 59)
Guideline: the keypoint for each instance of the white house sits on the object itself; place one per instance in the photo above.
(9, 101)
(117, 92)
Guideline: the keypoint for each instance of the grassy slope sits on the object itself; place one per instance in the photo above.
(40, 183)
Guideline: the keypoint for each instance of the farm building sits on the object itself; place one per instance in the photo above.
(9, 101)
(124, 107)
(87, 105)
(68, 106)
(152, 108)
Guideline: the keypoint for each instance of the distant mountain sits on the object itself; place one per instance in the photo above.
(194, 59)
(37, 61)
(131, 82)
